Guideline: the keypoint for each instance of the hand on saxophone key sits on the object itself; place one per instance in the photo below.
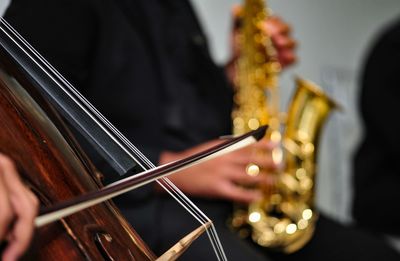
(225, 177)
(285, 45)
(274, 27)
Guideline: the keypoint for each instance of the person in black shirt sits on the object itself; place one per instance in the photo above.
(376, 174)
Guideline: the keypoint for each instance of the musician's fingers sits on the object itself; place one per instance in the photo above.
(287, 57)
(283, 42)
(275, 25)
(236, 193)
(6, 212)
(34, 201)
(264, 145)
(25, 207)
(245, 154)
(266, 161)
(279, 31)
(236, 10)
(239, 176)
(17, 190)
(260, 156)
(269, 179)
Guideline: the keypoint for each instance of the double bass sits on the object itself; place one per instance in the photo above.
(54, 166)
(55, 169)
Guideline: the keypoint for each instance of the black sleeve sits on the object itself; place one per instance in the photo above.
(63, 31)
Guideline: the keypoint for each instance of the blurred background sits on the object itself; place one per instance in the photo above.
(333, 37)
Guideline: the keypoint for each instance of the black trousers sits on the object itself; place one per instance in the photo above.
(334, 241)
(331, 241)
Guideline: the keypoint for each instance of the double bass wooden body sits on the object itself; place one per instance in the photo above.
(54, 167)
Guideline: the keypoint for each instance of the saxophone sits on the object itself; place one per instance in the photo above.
(284, 220)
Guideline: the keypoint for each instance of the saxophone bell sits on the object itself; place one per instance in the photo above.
(285, 220)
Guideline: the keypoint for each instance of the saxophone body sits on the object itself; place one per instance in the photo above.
(257, 72)
(284, 220)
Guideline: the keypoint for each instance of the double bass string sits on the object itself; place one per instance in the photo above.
(114, 140)
(211, 231)
(186, 203)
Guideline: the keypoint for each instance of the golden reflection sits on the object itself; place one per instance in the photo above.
(252, 170)
(253, 124)
(307, 214)
(291, 228)
(254, 217)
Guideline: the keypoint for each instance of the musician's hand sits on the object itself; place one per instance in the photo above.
(224, 176)
(18, 208)
(279, 32)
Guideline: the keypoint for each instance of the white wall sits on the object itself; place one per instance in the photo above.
(3, 4)
(333, 35)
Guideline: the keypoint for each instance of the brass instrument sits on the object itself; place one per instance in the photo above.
(284, 219)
